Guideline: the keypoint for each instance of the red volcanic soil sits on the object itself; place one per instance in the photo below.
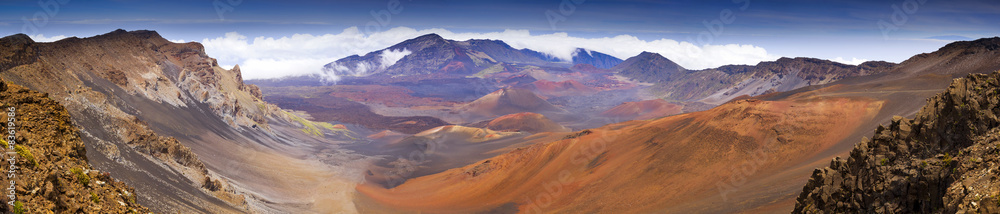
(564, 88)
(643, 110)
(526, 122)
(392, 96)
(454, 66)
(682, 163)
(509, 101)
(387, 136)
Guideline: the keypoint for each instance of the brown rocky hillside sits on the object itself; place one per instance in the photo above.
(189, 135)
(52, 171)
(944, 160)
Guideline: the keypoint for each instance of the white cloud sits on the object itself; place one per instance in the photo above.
(178, 41)
(387, 58)
(268, 57)
(390, 57)
(42, 38)
(853, 61)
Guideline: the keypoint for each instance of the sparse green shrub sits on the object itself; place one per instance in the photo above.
(93, 197)
(4, 143)
(80, 176)
(923, 164)
(26, 154)
(19, 208)
(885, 161)
(947, 159)
(131, 199)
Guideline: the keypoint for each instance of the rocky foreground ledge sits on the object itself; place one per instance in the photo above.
(945, 160)
(51, 173)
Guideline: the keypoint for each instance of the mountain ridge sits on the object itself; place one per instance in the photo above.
(432, 54)
(718, 85)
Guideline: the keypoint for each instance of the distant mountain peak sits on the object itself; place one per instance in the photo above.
(20, 38)
(148, 34)
(650, 54)
(649, 67)
(653, 57)
(980, 52)
(421, 42)
(988, 43)
(649, 61)
(430, 37)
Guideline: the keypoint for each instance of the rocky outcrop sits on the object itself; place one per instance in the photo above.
(14, 51)
(52, 172)
(944, 160)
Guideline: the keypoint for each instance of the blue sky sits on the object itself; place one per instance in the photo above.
(809, 28)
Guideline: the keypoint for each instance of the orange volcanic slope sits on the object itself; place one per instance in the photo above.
(527, 122)
(643, 110)
(640, 166)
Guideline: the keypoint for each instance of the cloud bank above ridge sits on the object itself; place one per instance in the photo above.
(301, 54)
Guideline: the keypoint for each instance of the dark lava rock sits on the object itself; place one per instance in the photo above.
(945, 160)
